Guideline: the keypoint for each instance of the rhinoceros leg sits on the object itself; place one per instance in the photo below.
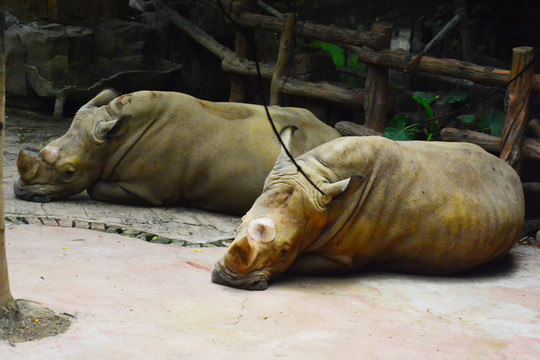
(313, 264)
(111, 192)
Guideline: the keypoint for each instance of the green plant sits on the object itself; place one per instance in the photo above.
(400, 128)
(342, 60)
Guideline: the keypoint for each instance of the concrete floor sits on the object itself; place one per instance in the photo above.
(137, 300)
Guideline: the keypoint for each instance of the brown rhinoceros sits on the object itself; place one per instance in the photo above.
(421, 207)
(165, 148)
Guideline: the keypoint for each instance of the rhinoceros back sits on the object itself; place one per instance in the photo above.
(216, 156)
(426, 207)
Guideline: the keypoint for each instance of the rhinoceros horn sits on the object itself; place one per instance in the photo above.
(283, 161)
(103, 98)
(28, 166)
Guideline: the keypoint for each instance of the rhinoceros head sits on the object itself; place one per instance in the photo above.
(286, 218)
(69, 164)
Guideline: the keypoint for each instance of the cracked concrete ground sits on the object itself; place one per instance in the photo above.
(135, 300)
(183, 226)
(132, 299)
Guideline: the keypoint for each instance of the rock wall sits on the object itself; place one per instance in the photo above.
(62, 52)
(78, 12)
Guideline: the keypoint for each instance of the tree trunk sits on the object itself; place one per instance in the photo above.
(5, 294)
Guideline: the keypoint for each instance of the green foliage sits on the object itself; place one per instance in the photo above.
(337, 53)
(397, 129)
(340, 58)
(455, 96)
(466, 119)
(492, 120)
(425, 99)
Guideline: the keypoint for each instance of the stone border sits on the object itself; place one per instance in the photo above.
(113, 229)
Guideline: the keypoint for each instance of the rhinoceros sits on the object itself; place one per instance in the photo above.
(165, 148)
(417, 207)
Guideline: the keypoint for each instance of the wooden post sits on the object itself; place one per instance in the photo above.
(517, 106)
(286, 48)
(6, 300)
(461, 9)
(239, 84)
(376, 89)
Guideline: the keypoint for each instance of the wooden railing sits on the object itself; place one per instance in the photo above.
(372, 47)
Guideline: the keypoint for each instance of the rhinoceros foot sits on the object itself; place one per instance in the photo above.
(254, 281)
(29, 193)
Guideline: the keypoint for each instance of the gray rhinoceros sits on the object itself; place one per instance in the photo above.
(421, 207)
(165, 148)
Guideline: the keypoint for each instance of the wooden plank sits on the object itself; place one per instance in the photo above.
(324, 33)
(239, 84)
(530, 150)
(399, 60)
(324, 91)
(376, 88)
(205, 40)
(347, 128)
(517, 105)
(284, 60)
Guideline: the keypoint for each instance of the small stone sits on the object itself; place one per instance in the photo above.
(115, 230)
(97, 226)
(160, 240)
(207, 245)
(49, 221)
(65, 222)
(80, 224)
(132, 233)
(175, 242)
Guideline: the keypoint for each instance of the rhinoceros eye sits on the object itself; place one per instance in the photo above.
(262, 229)
(68, 173)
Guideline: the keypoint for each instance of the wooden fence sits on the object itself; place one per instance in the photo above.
(373, 48)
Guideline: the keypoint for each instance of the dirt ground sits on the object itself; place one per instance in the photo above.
(30, 321)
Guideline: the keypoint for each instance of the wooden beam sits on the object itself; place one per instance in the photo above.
(324, 33)
(324, 91)
(399, 60)
(284, 60)
(348, 128)
(240, 66)
(466, 45)
(530, 150)
(376, 87)
(517, 101)
(205, 40)
(239, 84)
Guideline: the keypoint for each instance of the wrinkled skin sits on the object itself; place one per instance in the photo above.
(419, 207)
(164, 148)
(71, 163)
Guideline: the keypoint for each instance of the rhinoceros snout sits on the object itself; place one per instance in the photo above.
(24, 192)
(219, 276)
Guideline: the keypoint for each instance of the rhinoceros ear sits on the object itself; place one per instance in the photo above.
(103, 98)
(107, 129)
(341, 190)
(103, 128)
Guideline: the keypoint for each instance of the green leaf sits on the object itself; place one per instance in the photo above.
(466, 119)
(494, 120)
(337, 53)
(422, 97)
(398, 130)
(455, 96)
